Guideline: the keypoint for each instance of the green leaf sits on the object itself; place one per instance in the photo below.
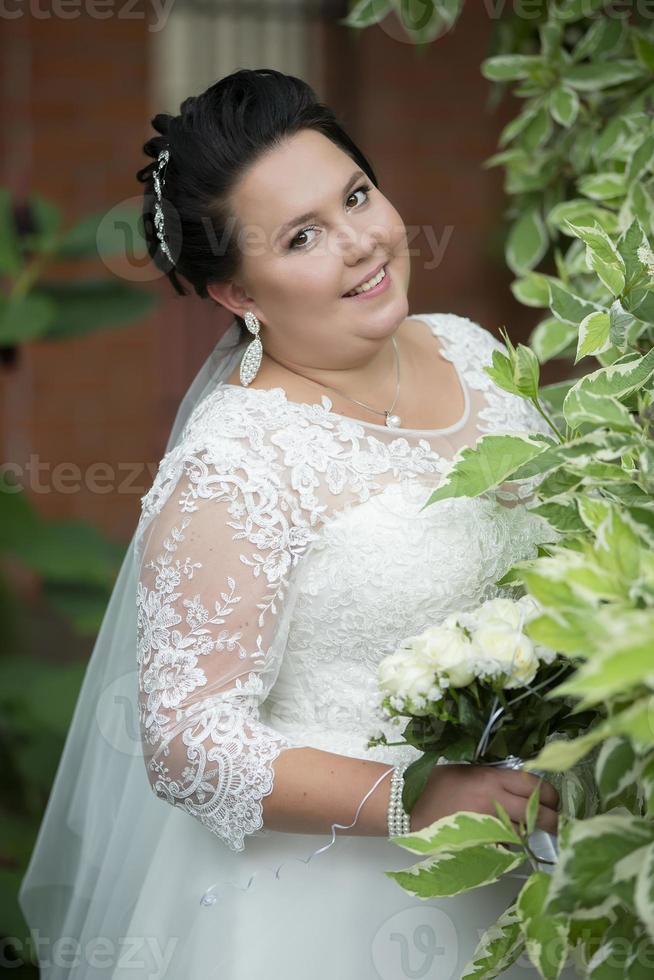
(551, 337)
(503, 67)
(86, 306)
(602, 852)
(595, 76)
(641, 161)
(602, 256)
(603, 186)
(366, 13)
(616, 768)
(616, 380)
(498, 948)
(461, 829)
(494, 459)
(568, 307)
(546, 935)
(593, 335)
(580, 210)
(531, 289)
(643, 46)
(527, 242)
(610, 672)
(526, 371)
(644, 891)
(452, 872)
(564, 105)
(25, 317)
(10, 257)
(584, 406)
(500, 371)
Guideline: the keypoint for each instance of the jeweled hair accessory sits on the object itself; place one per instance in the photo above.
(158, 179)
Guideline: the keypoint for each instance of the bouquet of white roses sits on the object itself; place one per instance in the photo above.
(475, 689)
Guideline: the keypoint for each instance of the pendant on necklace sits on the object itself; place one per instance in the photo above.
(393, 421)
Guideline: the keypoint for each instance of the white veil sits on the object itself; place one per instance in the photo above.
(102, 822)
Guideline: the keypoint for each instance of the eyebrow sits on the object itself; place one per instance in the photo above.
(310, 215)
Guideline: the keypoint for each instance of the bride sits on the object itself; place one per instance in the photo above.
(217, 811)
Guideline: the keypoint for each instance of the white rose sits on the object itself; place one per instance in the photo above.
(448, 651)
(509, 649)
(407, 675)
(505, 610)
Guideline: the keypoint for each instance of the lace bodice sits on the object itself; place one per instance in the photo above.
(283, 552)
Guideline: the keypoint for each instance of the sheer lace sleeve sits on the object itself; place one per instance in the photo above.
(221, 535)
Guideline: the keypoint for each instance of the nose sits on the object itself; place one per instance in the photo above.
(358, 245)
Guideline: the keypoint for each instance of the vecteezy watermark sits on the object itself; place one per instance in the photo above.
(66, 477)
(122, 247)
(147, 953)
(158, 11)
(416, 942)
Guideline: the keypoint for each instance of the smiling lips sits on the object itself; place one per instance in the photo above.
(372, 275)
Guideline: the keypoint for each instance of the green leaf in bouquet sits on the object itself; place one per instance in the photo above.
(451, 872)
(498, 948)
(494, 459)
(546, 935)
(465, 828)
(416, 776)
(532, 809)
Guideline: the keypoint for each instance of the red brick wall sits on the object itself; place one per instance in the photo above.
(73, 116)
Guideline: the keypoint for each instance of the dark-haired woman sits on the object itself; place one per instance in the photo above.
(281, 553)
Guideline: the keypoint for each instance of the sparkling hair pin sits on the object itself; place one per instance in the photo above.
(157, 177)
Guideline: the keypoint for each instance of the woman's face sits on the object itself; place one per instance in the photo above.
(294, 277)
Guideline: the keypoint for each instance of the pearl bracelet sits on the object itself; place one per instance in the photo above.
(399, 821)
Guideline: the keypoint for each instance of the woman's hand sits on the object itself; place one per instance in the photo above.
(453, 787)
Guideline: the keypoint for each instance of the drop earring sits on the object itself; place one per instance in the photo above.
(251, 359)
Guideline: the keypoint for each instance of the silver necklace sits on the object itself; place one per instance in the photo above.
(391, 420)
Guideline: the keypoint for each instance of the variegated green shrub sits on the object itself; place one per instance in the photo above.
(579, 164)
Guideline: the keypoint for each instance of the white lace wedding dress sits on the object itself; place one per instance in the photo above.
(284, 553)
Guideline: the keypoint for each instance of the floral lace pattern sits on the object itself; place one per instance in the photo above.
(283, 552)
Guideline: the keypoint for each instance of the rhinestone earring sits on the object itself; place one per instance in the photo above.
(251, 359)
